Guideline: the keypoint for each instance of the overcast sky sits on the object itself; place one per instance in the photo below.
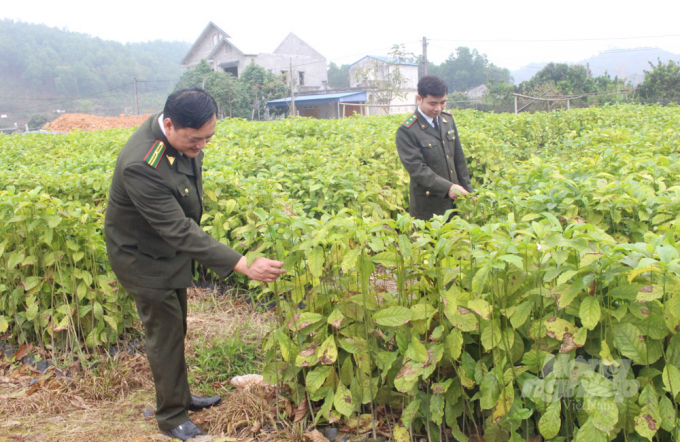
(512, 34)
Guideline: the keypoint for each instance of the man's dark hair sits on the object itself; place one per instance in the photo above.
(432, 85)
(192, 108)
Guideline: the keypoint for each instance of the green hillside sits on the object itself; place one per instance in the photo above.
(43, 69)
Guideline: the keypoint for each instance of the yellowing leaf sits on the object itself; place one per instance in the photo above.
(589, 312)
(327, 352)
(392, 316)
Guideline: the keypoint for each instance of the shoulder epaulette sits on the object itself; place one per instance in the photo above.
(410, 120)
(154, 155)
(447, 113)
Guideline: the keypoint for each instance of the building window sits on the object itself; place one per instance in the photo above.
(216, 39)
(301, 77)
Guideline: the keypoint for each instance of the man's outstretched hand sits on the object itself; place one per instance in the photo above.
(262, 269)
(456, 191)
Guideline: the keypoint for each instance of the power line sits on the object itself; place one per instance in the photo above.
(506, 40)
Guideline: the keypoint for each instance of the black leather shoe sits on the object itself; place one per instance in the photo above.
(199, 403)
(184, 432)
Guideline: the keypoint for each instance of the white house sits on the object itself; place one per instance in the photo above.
(224, 55)
(477, 93)
(379, 69)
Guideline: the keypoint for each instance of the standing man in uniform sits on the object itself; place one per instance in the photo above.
(153, 237)
(431, 152)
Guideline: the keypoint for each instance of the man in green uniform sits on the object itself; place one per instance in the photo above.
(431, 152)
(153, 237)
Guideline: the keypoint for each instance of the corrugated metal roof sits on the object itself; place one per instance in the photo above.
(321, 98)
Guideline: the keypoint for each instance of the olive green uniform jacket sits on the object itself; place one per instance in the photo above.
(153, 215)
(434, 160)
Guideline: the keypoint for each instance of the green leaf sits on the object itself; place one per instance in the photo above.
(604, 413)
(14, 259)
(98, 310)
(489, 390)
(479, 280)
(315, 260)
(404, 246)
(630, 342)
(550, 423)
(589, 312)
(410, 412)
(454, 343)
(671, 379)
(566, 276)
(589, 433)
(343, 400)
(31, 282)
(4, 325)
(491, 335)
(673, 350)
(111, 321)
(416, 350)
(385, 361)
(521, 314)
(392, 316)
(437, 409)
(288, 349)
(422, 311)
(32, 311)
(316, 378)
(668, 414)
(513, 259)
(386, 259)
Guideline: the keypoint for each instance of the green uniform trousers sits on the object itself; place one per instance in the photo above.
(164, 315)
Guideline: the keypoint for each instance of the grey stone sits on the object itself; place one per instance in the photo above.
(330, 433)
(43, 365)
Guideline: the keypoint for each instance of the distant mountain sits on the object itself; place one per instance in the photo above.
(623, 63)
(628, 63)
(525, 73)
(45, 69)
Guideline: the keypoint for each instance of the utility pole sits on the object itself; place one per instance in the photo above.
(424, 55)
(136, 98)
(292, 88)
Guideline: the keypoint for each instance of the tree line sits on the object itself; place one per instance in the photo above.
(44, 68)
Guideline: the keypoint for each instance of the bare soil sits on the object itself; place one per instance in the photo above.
(84, 122)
